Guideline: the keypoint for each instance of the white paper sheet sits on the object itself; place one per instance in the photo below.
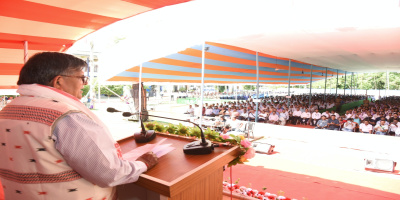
(159, 149)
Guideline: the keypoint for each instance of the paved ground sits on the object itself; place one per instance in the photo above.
(295, 162)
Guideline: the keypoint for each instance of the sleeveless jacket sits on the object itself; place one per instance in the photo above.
(30, 166)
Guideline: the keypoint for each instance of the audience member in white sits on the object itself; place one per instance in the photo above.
(381, 128)
(393, 127)
(262, 116)
(366, 127)
(273, 118)
(296, 115)
(305, 117)
(190, 110)
(252, 115)
(348, 115)
(326, 114)
(349, 126)
(209, 111)
(283, 117)
(244, 115)
(334, 113)
(315, 117)
(235, 124)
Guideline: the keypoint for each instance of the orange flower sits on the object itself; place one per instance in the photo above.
(242, 159)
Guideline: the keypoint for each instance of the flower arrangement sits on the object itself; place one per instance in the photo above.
(246, 150)
(249, 192)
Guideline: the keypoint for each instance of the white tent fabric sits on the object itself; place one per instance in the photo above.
(355, 36)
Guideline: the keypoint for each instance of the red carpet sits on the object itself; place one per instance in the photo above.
(298, 185)
(1, 192)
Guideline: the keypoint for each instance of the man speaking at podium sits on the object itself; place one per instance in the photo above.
(54, 147)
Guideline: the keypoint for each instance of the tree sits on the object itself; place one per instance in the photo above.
(249, 87)
(220, 88)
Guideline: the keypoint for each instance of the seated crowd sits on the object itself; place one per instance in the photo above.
(380, 117)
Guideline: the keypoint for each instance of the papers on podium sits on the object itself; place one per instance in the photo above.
(159, 149)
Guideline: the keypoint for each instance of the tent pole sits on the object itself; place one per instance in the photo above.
(258, 87)
(309, 98)
(337, 81)
(351, 83)
(140, 90)
(387, 82)
(202, 82)
(288, 104)
(235, 93)
(25, 51)
(326, 76)
(344, 87)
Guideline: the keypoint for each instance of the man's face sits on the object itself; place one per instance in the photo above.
(71, 84)
(366, 122)
(382, 122)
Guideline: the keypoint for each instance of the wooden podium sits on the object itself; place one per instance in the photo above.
(179, 176)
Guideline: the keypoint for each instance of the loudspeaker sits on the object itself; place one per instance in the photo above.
(376, 164)
(261, 147)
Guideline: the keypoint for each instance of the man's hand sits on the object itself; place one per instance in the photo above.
(149, 158)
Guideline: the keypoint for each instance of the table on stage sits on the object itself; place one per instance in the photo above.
(179, 176)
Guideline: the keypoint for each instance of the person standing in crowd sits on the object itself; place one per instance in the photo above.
(50, 133)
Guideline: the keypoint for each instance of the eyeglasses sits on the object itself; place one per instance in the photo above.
(85, 79)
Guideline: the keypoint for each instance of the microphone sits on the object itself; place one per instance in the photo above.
(112, 110)
(194, 148)
(127, 114)
(143, 136)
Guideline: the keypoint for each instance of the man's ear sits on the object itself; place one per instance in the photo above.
(56, 82)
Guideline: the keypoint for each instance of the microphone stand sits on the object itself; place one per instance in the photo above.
(194, 148)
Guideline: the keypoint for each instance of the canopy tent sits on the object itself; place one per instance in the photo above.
(48, 25)
(224, 64)
(352, 36)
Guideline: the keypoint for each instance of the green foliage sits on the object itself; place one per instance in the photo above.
(211, 135)
(249, 87)
(182, 130)
(149, 125)
(159, 128)
(182, 89)
(195, 131)
(118, 89)
(85, 90)
(171, 129)
(364, 81)
(220, 88)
